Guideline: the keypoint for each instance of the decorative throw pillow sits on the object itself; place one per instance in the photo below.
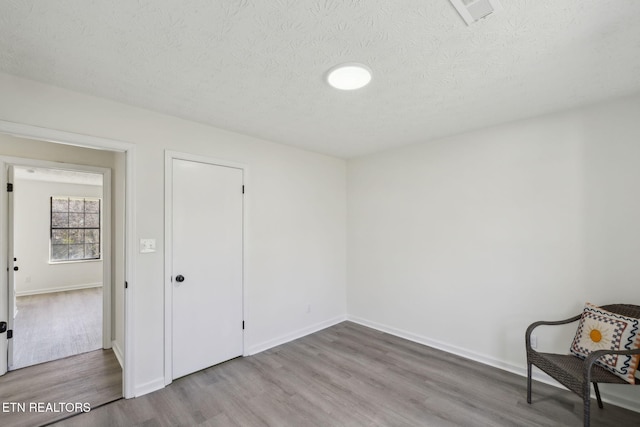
(600, 329)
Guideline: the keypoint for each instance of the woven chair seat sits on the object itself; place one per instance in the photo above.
(572, 366)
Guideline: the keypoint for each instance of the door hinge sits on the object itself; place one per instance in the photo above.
(126, 285)
(243, 189)
(10, 334)
(243, 324)
(10, 187)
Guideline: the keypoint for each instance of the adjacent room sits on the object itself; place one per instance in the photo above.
(58, 287)
(336, 212)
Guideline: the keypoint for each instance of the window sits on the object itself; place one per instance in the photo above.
(75, 229)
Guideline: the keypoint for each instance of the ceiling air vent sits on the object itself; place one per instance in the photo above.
(475, 10)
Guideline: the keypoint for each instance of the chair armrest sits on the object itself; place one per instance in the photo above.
(595, 355)
(527, 335)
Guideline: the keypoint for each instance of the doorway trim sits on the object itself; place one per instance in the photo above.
(168, 248)
(107, 261)
(67, 138)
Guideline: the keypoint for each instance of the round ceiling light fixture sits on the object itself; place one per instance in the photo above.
(349, 76)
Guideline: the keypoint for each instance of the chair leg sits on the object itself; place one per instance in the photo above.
(528, 382)
(586, 398)
(595, 387)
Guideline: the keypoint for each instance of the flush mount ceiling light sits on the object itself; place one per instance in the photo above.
(349, 76)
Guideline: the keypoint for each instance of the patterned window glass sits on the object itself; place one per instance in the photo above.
(75, 229)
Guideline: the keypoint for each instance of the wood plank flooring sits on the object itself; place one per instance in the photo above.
(350, 375)
(94, 378)
(56, 325)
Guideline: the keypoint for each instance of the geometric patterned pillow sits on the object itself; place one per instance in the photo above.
(603, 330)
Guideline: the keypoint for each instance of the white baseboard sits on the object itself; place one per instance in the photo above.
(118, 352)
(58, 289)
(484, 359)
(258, 348)
(149, 387)
(467, 354)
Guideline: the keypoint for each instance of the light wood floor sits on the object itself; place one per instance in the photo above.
(349, 375)
(56, 325)
(94, 378)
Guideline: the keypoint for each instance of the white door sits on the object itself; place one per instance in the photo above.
(12, 268)
(207, 211)
(7, 289)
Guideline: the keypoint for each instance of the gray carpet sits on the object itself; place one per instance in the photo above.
(56, 325)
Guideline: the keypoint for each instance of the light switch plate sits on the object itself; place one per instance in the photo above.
(147, 246)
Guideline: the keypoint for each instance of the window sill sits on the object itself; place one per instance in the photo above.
(76, 261)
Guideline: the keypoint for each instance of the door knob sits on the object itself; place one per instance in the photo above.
(16, 268)
(179, 278)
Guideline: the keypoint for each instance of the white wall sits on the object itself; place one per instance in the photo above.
(296, 225)
(32, 228)
(464, 241)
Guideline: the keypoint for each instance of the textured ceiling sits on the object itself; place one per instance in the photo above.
(257, 66)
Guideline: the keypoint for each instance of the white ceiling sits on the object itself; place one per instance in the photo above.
(257, 66)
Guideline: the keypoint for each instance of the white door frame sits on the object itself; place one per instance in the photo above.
(67, 138)
(106, 229)
(168, 249)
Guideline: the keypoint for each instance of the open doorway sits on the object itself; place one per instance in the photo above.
(97, 376)
(58, 222)
(55, 148)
